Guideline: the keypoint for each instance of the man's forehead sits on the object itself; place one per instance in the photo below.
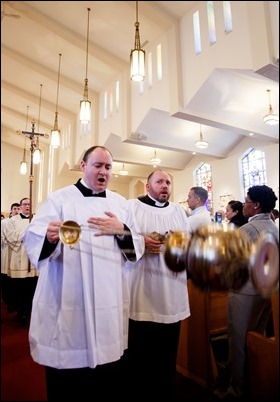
(161, 176)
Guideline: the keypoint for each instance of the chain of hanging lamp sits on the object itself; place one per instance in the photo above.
(55, 133)
(35, 145)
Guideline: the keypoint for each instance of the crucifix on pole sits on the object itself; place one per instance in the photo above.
(33, 136)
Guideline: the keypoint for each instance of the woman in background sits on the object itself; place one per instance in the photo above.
(234, 213)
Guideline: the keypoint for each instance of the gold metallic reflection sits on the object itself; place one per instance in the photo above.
(176, 247)
(70, 233)
(265, 264)
(218, 257)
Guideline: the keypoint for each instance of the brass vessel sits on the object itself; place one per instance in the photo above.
(70, 233)
(265, 264)
(176, 247)
(216, 256)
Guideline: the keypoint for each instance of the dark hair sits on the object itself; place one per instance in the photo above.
(150, 176)
(264, 195)
(239, 219)
(91, 149)
(155, 171)
(25, 198)
(201, 193)
(15, 204)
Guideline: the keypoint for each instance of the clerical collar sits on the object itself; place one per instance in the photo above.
(24, 216)
(147, 199)
(157, 203)
(86, 191)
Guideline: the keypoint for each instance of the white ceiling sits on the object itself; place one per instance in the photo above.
(227, 106)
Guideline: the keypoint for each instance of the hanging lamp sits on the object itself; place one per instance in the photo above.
(23, 163)
(123, 171)
(155, 161)
(201, 143)
(137, 55)
(85, 104)
(55, 133)
(270, 118)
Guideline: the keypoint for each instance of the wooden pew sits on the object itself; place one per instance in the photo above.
(195, 357)
(263, 359)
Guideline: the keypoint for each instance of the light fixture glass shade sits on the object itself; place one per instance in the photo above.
(85, 111)
(137, 65)
(123, 172)
(55, 138)
(23, 168)
(155, 161)
(37, 156)
(201, 143)
(23, 164)
(270, 118)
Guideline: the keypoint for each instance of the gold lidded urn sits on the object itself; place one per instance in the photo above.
(218, 257)
(264, 264)
(176, 247)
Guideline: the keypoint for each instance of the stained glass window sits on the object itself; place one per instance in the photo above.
(253, 169)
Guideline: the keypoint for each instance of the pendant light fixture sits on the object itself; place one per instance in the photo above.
(201, 143)
(85, 104)
(155, 161)
(23, 163)
(137, 55)
(55, 133)
(123, 172)
(37, 151)
(270, 118)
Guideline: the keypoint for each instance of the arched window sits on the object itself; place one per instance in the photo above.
(203, 178)
(253, 169)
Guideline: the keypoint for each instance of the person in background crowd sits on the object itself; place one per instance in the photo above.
(234, 213)
(158, 297)
(222, 212)
(275, 216)
(247, 309)
(200, 216)
(78, 330)
(23, 275)
(6, 288)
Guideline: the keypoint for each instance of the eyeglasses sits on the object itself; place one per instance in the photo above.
(25, 205)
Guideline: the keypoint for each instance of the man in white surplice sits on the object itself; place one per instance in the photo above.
(158, 296)
(78, 326)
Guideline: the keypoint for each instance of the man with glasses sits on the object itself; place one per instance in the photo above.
(23, 275)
